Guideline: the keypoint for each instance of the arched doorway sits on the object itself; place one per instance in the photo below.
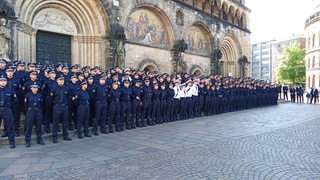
(149, 65)
(197, 73)
(150, 68)
(87, 29)
(231, 51)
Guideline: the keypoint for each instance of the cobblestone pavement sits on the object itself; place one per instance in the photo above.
(278, 142)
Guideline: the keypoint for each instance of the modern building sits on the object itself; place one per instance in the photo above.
(261, 60)
(160, 35)
(277, 50)
(312, 34)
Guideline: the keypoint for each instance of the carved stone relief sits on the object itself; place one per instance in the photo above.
(4, 42)
(54, 20)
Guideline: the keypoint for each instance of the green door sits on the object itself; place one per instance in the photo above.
(53, 48)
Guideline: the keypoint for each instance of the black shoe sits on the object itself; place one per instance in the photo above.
(96, 134)
(40, 142)
(111, 131)
(67, 138)
(28, 144)
(80, 136)
(4, 134)
(12, 145)
(55, 140)
(87, 135)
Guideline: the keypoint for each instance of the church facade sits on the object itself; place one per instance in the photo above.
(193, 36)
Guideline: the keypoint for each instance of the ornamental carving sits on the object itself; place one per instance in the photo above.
(4, 42)
(54, 20)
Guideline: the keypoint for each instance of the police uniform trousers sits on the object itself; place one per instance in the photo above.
(183, 108)
(155, 111)
(207, 105)
(33, 117)
(100, 116)
(16, 116)
(114, 112)
(83, 119)
(189, 106)
(195, 105)
(48, 113)
(125, 113)
(7, 116)
(163, 111)
(176, 108)
(73, 113)
(136, 112)
(201, 105)
(145, 111)
(60, 112)
(170, 106)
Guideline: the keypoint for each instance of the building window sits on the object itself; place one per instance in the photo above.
(313, 61)
(313, 40)
(309, 42)
(308, 63)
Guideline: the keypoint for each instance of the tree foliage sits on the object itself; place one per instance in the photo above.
(292, 67)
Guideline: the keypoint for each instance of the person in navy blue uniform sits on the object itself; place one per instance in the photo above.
(125, 104)
(73, 87)
(83, 112)
(146, 103)
(114, 108)
(170, 102)
(60, 97)
(33, 105)
(136, 103)
(201, 95)
(47, 87)
(155, 117)
(293, 94)
(163, 103)
(101, 106)
(14, 84)
(285, 92)
(91, 90)
(7, 97)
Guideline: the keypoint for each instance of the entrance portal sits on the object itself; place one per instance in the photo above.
(53, 48)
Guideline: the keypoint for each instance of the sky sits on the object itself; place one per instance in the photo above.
(277, 19)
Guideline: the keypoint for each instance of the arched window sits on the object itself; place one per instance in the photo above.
(309, 43)
(308, 63)
(313, 61)
(313, 40)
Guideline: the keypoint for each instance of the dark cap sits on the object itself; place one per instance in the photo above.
(33, 72)
(3, 78)
(60, 77)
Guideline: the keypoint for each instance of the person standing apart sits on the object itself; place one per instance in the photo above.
(33, 105)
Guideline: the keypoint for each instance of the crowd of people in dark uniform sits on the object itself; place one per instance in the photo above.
(119, 99)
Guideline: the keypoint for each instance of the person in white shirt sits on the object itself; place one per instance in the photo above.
(189, 105)
(195, 98)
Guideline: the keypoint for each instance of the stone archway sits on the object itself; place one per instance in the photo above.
(231, 52)
(196, 70)
(85, 21)
(149, 64)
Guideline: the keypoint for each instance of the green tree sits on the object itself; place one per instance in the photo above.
(292, 67)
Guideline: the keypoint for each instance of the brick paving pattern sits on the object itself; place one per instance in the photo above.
(278, 142)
